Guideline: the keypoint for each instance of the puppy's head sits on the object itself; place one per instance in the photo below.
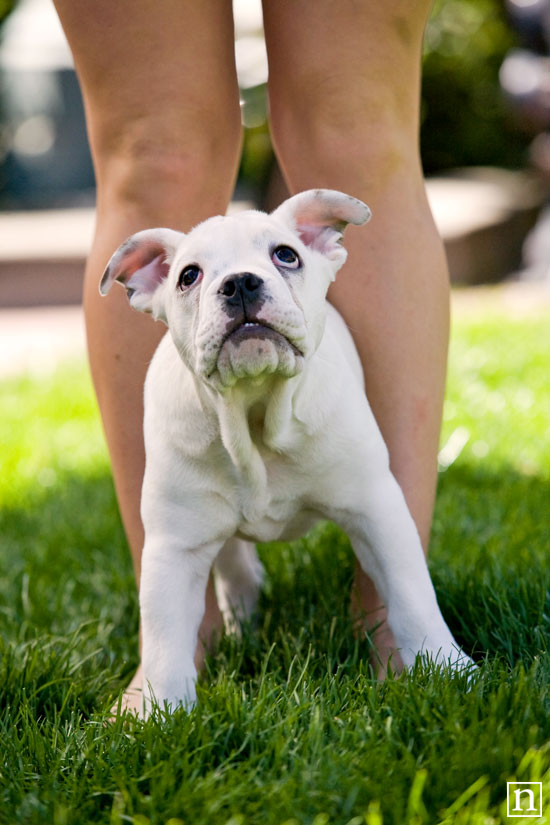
(244, 295)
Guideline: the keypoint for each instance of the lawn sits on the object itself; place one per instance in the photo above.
(290, 726)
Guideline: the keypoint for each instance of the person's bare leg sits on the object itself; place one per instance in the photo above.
(162, 108)
(344, 94)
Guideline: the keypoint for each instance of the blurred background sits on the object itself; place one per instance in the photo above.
(485, 139)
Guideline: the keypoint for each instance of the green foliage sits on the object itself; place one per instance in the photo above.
(6, 6)
(464, 118)
(291, 728)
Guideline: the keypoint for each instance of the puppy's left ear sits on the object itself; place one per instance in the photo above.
(141, 264)
(319, 217)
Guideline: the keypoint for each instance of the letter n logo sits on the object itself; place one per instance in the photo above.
(524, 799)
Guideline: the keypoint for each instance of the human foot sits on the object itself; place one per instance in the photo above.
(369, 615)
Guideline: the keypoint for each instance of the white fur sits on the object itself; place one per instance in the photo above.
(259, 438)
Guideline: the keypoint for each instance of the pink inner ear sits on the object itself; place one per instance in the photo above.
(147, 278)
(323, 238)
(137, 255)
(142, 262)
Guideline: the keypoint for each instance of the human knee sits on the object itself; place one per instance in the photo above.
(155, 154)
(366, 119)
(327, 127)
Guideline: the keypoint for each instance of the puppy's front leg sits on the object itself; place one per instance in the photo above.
(387, 544)
(172, 594)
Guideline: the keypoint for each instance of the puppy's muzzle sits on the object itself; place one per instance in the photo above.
(243, 296)
(257, 339)
(242, 292)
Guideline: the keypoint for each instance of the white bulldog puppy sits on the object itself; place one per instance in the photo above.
(256, 426)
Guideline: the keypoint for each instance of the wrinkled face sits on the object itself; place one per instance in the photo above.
(244, 296)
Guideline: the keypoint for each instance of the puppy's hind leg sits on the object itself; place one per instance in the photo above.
(238, 579)
(387, 544)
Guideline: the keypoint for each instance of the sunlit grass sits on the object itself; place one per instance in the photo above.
(290, 727)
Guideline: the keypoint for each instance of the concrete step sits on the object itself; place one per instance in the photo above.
(43, 254)
(483, 216)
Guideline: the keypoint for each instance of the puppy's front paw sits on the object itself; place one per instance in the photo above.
(449, 655)
(167, 695)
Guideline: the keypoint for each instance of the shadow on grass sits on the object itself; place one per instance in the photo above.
(68, 602)
(64, 565)
(489, 561)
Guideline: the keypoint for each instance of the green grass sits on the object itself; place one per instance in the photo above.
(290, 726)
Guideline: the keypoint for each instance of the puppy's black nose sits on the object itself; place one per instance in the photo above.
(242, 289)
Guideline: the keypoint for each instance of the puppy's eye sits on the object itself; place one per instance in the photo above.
(287, 257)
(188, 276)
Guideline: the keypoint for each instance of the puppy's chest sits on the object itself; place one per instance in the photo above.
(275, 498)
(280, 509)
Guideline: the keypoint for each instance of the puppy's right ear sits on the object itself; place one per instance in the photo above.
(141, 264)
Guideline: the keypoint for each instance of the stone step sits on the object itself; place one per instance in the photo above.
(483, 216)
